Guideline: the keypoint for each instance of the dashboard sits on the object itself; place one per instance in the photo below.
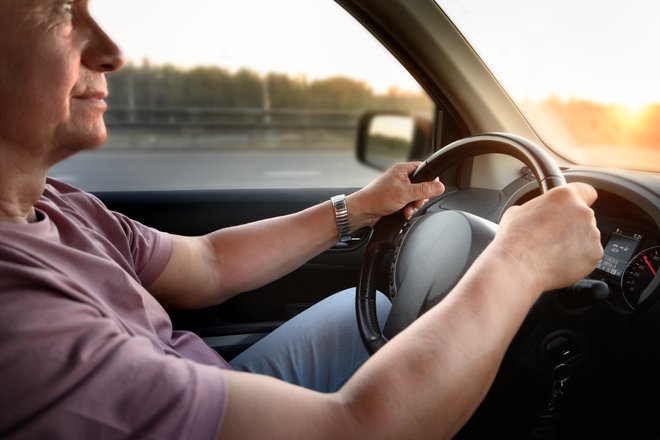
(631, 256)
(627, 213)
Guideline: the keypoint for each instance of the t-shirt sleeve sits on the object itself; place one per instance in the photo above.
(77, 374)
(145, 250)
(150, 249)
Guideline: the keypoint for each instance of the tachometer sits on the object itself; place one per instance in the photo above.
(639, 273)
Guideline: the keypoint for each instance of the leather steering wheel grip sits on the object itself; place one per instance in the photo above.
(536, 158)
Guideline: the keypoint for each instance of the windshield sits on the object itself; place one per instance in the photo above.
(584, 73)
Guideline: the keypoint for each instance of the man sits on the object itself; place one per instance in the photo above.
(87, 350)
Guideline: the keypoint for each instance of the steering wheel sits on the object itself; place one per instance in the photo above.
(431, 252)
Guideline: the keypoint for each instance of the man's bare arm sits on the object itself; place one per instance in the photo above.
(427, 381)
(207, 270)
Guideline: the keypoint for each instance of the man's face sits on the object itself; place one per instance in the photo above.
(53, 57)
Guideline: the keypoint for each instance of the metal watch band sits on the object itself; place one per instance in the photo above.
(341, 217)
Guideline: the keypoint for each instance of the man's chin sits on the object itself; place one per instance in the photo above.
(73, 143)
(88, 143)
(87, 135)
(97, 143)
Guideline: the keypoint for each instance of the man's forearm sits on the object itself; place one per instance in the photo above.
(440, 368)
(252, 255)
(205, 271)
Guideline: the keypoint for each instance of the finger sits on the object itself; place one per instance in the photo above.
(585, 192)
(419, 203)
(408, 211)
(414, 164)
(408, 168)
(411, 208)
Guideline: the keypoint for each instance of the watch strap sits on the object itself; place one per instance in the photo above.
(341, 217)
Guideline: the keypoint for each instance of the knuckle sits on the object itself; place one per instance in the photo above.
(426, 188)
(563, 194)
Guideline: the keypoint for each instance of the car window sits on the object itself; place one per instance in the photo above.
(227, 94)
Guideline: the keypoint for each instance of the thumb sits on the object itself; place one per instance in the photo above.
(427, 190)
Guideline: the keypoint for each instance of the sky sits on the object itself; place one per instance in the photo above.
(603, 50)
(311, 38)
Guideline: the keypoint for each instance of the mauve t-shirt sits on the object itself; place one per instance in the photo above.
(85, 351)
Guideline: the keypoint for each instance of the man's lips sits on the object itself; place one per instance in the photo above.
(91, 94)
(95, 100)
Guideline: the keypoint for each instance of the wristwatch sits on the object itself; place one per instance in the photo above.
(341, 217)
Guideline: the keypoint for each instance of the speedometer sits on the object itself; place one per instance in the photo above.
(639, 273)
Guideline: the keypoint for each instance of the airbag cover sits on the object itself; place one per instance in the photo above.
(432, 256)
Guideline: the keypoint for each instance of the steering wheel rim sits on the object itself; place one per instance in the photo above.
(390, 231)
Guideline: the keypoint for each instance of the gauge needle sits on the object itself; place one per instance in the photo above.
(648, 263)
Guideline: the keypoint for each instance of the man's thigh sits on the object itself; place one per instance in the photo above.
(318, 349)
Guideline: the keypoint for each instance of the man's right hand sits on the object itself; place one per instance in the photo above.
(554, 235)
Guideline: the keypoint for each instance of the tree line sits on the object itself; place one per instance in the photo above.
(158, 86)
(149, 86)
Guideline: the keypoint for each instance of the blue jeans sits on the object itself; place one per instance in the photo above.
(318, 349)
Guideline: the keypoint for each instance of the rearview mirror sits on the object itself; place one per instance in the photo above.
(387, 138)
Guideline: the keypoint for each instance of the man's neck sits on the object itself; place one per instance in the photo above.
(23, 171)
(18, 194)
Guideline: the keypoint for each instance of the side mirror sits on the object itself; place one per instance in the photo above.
(385, 138)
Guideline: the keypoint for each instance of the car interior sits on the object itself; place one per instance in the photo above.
(590, 352)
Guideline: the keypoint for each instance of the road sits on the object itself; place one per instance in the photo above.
(148, 170)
